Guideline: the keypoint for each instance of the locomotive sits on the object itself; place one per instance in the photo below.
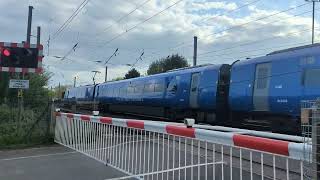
(263, 91)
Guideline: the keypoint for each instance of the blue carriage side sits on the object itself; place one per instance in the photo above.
(269, 89)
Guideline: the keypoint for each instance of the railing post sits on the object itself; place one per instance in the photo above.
(316, 140)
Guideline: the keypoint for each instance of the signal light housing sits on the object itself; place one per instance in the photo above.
(6, 52)
(20, 57)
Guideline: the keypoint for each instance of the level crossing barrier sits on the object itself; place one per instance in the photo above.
(160, 150)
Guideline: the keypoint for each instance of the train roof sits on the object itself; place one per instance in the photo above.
(76, 88)
(171, 72)
(307, 50)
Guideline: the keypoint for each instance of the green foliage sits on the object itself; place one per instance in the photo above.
(165, 64)
(29, 124)
(117, 79)
(19, 127)
(4, 83)
(132, 74)
(58, 91)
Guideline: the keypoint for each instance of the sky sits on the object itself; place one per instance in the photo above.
(226, 31)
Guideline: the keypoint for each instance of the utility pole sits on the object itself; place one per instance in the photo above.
(94, 76)
(74, 81)
(313, 7)
(195, 44)
(38, 35)
(114, 54)
(313, 4)
(59, 91)
(29, 24)
(106, 75)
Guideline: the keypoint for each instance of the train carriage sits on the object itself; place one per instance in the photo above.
(187, 92)
(269, 89)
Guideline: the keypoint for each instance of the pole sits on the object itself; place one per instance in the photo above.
(74, 81)
(59, 91)
(38, 35)
(29, 24)
(313, 6)
(195, 39)
(106, 76)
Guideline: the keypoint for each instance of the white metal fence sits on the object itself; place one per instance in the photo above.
(158, 150)
(310, 118)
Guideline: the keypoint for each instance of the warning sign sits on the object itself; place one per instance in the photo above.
(19, 84)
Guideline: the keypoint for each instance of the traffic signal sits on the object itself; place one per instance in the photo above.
(21, 57)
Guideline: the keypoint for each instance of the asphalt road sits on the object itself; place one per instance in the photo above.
(52, 163)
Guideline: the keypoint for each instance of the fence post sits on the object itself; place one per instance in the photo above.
(316, 140)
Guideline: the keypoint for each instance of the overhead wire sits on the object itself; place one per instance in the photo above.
(138, 24)
(135, 26)
(250, 56)
(269, 23)
(246, 23)
(228, 12)
(253, 42)
(233, 10)
(124, 16)
(70, 19)
(119, 35)
(247, 52)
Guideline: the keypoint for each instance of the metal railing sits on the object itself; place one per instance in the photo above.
(310, 122)
(159, 150)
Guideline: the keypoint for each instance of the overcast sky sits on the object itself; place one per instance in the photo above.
(226, 30)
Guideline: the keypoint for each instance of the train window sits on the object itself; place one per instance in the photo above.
(123, 91)
(158, 87)
(149, 88)
(311, 77)
(138, 89)
(172, 87)
(130, 89)
(107, 92)
(262, 78)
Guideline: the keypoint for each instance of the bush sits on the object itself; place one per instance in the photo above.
(23, 127)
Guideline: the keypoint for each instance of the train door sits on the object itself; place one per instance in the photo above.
(195, 79)
(261, 87)
(311, 83)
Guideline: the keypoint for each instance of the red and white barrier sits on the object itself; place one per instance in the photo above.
(289, 149)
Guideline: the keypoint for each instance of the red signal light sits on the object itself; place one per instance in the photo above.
(6, 52)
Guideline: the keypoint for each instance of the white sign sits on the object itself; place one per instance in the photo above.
(19, 84)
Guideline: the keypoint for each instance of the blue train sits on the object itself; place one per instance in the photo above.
(264, 91)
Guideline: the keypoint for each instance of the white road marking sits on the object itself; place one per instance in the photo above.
(37, 156)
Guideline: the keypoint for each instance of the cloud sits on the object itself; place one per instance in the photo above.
(203, 5)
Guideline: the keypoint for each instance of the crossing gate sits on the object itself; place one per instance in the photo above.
(160, 150)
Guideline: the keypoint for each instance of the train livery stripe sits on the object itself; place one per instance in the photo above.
(106, 120)
(135, 124)
(180, 131)
(262, 144)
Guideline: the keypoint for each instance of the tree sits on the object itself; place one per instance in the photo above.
(132, 74)
(58, 91)
(36, 94)
(165, 64)
(117, 79)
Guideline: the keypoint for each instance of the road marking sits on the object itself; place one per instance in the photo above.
(37, 156)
